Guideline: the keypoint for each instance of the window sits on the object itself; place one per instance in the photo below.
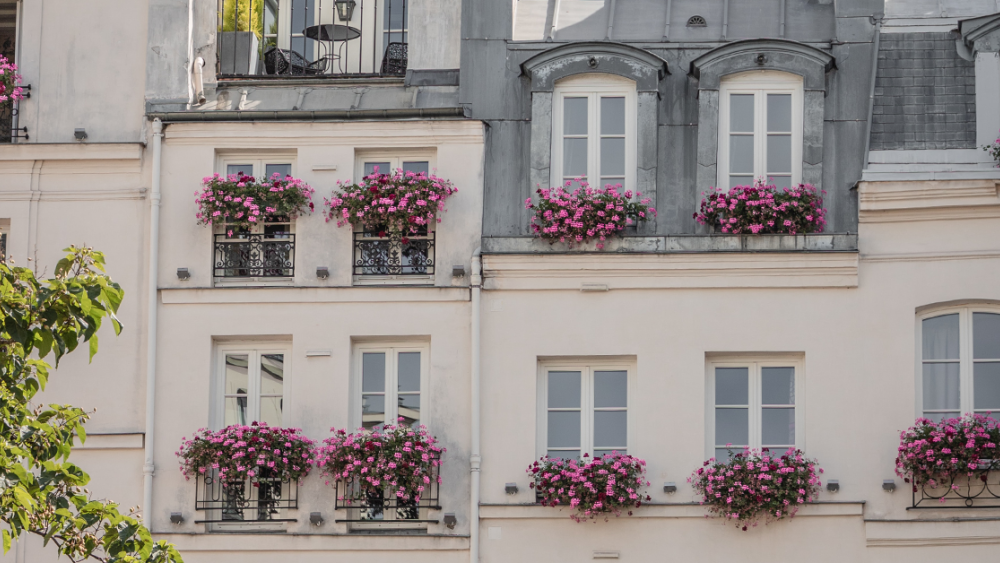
(391, 378)
(754, 403)
(760, 129)
(594, 130)
(4, 229)
(8, 44)
(252, 384)
(583, 408)
(959, 362)
(388, 161)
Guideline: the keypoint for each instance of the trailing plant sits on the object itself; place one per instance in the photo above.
(937, 452)
(764, 209)
(755, 486)
(10, 82)
(396, 202)
(238, 453)
(994, 150)
(599, 487)
(240, 201)
(396, 457)
(587, 213)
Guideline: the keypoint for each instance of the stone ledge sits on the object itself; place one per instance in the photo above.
(656, 510)
(834, 242)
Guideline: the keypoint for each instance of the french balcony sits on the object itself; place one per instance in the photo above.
(381, 508)
(260, 499)
(275, 39)
(9, 131)
(382, 255)
(981, 490)
(254, 256)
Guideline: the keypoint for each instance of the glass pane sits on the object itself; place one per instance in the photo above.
(409, 408)
(780, 181)
(380, 167)
(740, 181)
(986, 336)
(237, 381)
(281, 170)
(986, 385)
(372, 410)
(270, 410)
(941, 386)
(939, 416)
(574, 157)
(373, 372)
(602, 453)
(236, 410)
(941, 337)
(778, 427)
(564, 389)
(612, 156)
(778, 387)
(732, 386)
(778, 451)
(732, 426)
(303, 15)
(272, 373)
(244, 169)
(563, 454)
(612, 116)
(741, 113)
(723, 454)
(610, 429)
(610, 389)
(779, 113)
(395, 14)
(416, 167)
(574, 116)
(779, 153)
(409, 371)
(564, 429)
(741, 154)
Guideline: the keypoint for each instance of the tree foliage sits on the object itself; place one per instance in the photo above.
(41, 491)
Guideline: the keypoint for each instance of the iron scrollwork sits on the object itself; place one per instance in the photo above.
(981, 490)
(393, 254)
(260, 499)
(254, 256)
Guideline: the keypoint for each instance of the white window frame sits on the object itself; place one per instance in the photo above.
(594, 86)
(760, 83)
(966, 392)
(587, 367)
(754, 363)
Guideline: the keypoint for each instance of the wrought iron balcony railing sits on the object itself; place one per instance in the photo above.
(312, 38)
(256, 500)
(382, 505)
(256, 256)
(392, 254)
(9, 131)
(982, 490)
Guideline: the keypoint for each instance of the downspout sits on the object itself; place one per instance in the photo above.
(476, 459)
(190, 53)
(154, 244)
(199, 80)
(877, 20)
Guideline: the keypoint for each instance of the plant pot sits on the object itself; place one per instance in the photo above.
(238, 52)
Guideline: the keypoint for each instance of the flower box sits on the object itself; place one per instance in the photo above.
(586, 214)
(595, 488)
(10, 81)
(241, 202)
(395, 202)
(763, 209)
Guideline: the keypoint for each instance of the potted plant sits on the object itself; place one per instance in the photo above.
(10, 82)
(241, 28)
(395, 202)
(763, 209)
(754, 485)
(241, 201)
(595, 487)
(937, 454)
(586, 213)
(994, 151)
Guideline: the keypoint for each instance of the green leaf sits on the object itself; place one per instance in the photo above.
(6, 542)
(93, 347)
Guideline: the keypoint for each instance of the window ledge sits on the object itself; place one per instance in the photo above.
(931, 532)
(657, 510)
(393, 280)
(254, 282)
(673, 244)
(225, 543)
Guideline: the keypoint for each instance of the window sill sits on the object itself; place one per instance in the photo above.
(393, 280)
(680, 244)
(254, 282)
(657, 510)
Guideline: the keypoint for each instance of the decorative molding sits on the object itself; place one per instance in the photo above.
(73, 195)
(639, 65)
(931, 256)
(368, 294)
(212, 545)
(936, 532)
(935, 200)
(756, 47)
(579, 48)
(655, 510)
(408, 134)
(71, 151)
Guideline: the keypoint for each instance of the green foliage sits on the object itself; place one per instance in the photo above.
(41, 491)
(243, 15)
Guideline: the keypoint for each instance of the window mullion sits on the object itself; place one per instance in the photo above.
(966, 391)
(756, 438)
(760, 134)
(391, 387)
(594, 139)
(253, 391)
(587, 405)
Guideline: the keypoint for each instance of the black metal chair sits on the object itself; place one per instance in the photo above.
(286, 61)
(394, 60)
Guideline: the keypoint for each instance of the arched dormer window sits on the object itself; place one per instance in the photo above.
(594, 130)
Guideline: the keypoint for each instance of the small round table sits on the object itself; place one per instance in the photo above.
(332, 33)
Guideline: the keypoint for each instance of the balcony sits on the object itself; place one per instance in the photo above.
(9, 131)
(982, 490)
(391, 255)
(255, 256)
(381, 508)
(256, 500)
(275, 39)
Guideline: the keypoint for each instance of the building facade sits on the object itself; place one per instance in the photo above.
(474, 326)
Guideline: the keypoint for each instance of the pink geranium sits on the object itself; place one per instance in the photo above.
(593, 488)
(396, 202)
(586, 213)
(937, 452)
(10, 81)
(239, 452)
(240, 201)
(764, 209)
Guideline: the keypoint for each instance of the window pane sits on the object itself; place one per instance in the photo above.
(612, 116)
(778, 427)
(741, 113)
(610, 389)
(372, 410)
(779, 113)
(612, 156)
(941, 337)
(272, 373)
(409, 408)
(373, 372)
(741, 154)
(939, 416)
(610, 429)
(236, 410)
(303, 15)
(409, 371)
(245, 169)
(564, 390)
(564, 429)
(574, 116)
(383, 168)
(602, 453)
(270, 410)
(237, 381)
(941, 385)
(395, 14)
(563, 454)
(574, 157)
(732, 426)
(986, 385)
(779, 153)
(281, 170)
(723, 454)
(740, 181)
(780, 181)
(778, 387)
(416, 167)
(986, 336)
(732, 386)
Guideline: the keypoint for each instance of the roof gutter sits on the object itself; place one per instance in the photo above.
(300, 115)
(877, 20)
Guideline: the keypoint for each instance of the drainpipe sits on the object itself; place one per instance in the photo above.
(154, 243)
(877, 20)
(199, 81)
(190, 53)
(476, 459)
